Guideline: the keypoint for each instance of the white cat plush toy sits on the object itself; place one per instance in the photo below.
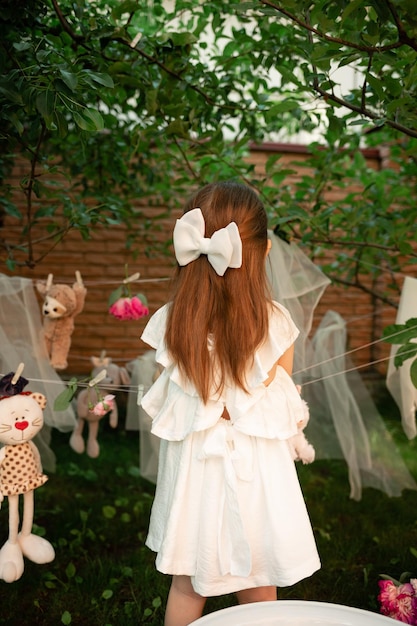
(21, 418)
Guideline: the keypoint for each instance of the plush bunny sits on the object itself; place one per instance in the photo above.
(60, 306)
(300, 448)
(94, 402)
(21, 418)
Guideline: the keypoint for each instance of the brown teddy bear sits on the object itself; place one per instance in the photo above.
(60, 306)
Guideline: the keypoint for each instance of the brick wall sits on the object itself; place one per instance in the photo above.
(102, 262)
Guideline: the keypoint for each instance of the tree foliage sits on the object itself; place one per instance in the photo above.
(109, 102)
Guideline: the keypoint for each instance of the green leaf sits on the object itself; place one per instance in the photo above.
(95, 118)
(45, 103)
(400, 333)
(120, 292)
(282, 107)
(11, 210)
(151, 100)
(128, 6)
(405, 352)
(89, 120)
(109, 512)
(17, 124)
(182, 39)
(413, 372)
(142, 298)
(70, 570)
(352, 6)
(100, 78)
(376, 85)
(20, 46)
(61, 123)
(107, 594)
(11, 94)
(66, 618)
(63, 400)
(69, 79)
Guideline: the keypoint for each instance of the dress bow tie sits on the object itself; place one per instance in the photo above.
(223, 248)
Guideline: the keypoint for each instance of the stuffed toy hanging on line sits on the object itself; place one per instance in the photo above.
(21, 418)
(60, 306)
(300, 448)
(96, 401)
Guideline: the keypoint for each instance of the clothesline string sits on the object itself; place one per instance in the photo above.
(379, 268)
(352, 320)
(91, 283)
(348, 352)
(130, 389)
(346, 371)
(301, 371)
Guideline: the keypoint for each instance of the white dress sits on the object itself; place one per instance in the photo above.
(228, 508)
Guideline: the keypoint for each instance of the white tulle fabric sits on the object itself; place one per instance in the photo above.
(223, 248)
(177, 410)
(344, 421)
(21, 341)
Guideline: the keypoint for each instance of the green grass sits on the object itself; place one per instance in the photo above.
(95, 512)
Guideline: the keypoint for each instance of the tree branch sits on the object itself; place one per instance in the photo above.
(29, 192)
(403, 37)
(365, 112)
(329, 38)
(64, 23)
(365, 83)
(358, 285)
(352, 244)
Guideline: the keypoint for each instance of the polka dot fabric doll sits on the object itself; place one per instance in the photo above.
(21, 418)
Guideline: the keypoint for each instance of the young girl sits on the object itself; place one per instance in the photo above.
(228, 515)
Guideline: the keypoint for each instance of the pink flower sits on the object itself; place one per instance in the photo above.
(129, 308)
(104, 406)
(387, 596)
(138, 308)
(121, 309)
(398, 602)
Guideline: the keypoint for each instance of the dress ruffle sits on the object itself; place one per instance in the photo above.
(271, 412)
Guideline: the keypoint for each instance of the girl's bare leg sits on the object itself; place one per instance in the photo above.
(184, 604)
(257, 594)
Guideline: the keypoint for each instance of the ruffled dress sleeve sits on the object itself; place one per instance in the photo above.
(173, 402)
(272, 412)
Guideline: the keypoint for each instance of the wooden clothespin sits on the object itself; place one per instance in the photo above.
(18, 373)
(49, 282)
(97, 379)
(131, 278)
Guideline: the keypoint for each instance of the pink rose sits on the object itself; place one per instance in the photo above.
(104, 406)
(138, 309)
(129, 308)
(121, 309)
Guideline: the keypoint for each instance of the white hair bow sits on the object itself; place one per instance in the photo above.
(223, 248)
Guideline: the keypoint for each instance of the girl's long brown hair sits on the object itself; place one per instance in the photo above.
(232, 309)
